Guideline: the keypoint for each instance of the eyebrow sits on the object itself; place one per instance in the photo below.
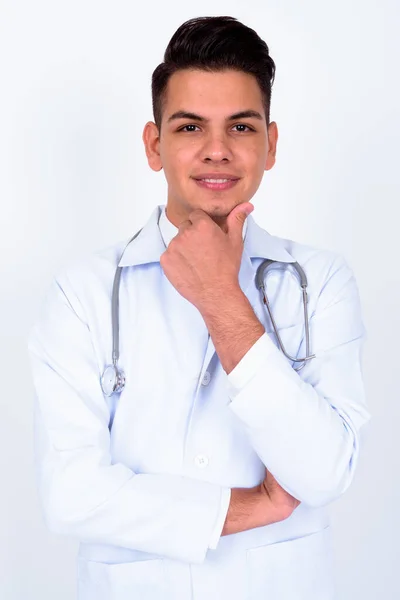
(244, 114)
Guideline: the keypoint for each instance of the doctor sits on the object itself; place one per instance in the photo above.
(209, 476)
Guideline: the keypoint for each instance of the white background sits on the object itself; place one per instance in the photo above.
(75, 94)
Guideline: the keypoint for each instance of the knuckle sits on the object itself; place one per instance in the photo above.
(201, 224)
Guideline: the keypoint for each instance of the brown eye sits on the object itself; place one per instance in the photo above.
(184, 128)
(243, 125)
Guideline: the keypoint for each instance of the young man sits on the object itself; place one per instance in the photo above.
(208, 476)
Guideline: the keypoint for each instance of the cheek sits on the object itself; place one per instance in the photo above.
(184, 151)
(177, 151)
(177, 163)
(180, 160)
(255, 161)
(262, 160)
(251, 152)
(258, 153)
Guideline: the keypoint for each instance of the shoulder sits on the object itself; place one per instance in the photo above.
(87, 278)
(328, 272)
(95, 263)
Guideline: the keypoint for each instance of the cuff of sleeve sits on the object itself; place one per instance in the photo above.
(225, 501)
(264, 365)
(250, 363)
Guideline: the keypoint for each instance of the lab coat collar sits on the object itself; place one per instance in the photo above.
(148, 246)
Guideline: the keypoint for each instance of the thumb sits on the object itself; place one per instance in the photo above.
(237, 217)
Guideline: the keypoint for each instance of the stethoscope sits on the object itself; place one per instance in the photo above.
(113, 378)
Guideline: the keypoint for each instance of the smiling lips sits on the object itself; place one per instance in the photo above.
(216, 176)
(216, 181)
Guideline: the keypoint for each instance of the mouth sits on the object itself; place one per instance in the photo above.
(221, 183)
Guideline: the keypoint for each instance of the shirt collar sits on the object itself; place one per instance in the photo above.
(153, 239)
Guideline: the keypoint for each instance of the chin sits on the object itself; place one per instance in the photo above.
(219, 206)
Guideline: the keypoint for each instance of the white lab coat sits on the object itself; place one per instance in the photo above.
(143, 479)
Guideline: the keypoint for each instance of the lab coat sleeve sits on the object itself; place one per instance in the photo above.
(83, 493)
(225, 501)
(305, 426)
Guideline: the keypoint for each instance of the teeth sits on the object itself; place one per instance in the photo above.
(216, 180)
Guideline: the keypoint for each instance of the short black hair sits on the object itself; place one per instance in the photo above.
(214, 44)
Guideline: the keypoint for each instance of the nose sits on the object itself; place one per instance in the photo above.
(217, 147)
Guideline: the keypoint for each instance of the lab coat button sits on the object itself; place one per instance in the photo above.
(201, 461)
(206, 378)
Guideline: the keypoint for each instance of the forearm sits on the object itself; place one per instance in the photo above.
(247, 511)
(233, 326)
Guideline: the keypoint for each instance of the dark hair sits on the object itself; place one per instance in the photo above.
(214, 44)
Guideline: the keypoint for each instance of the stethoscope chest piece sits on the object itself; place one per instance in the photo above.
(112, 380)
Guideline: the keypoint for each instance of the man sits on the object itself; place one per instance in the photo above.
(209, 475)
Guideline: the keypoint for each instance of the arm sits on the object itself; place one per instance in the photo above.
(83, 493)
(248, 508)
(240, 510)
(304, 426)
(244, 511)
(233, 326)
(261, 505)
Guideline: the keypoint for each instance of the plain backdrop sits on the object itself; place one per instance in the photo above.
(75, 94)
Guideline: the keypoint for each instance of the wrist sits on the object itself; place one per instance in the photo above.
(223, 300)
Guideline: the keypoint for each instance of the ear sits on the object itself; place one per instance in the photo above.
(151, 140)
(272, 143)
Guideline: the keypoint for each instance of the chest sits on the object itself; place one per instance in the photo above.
(174, 407)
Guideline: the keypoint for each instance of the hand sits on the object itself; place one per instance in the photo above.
(203, 261)
(278, 503)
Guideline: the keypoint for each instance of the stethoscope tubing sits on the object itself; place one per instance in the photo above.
(261, 275)
(113, 378)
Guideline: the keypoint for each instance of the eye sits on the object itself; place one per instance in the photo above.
(243, 125)
(184, 128)
(190, 125)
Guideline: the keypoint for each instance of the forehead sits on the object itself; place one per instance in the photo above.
(195, 89)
